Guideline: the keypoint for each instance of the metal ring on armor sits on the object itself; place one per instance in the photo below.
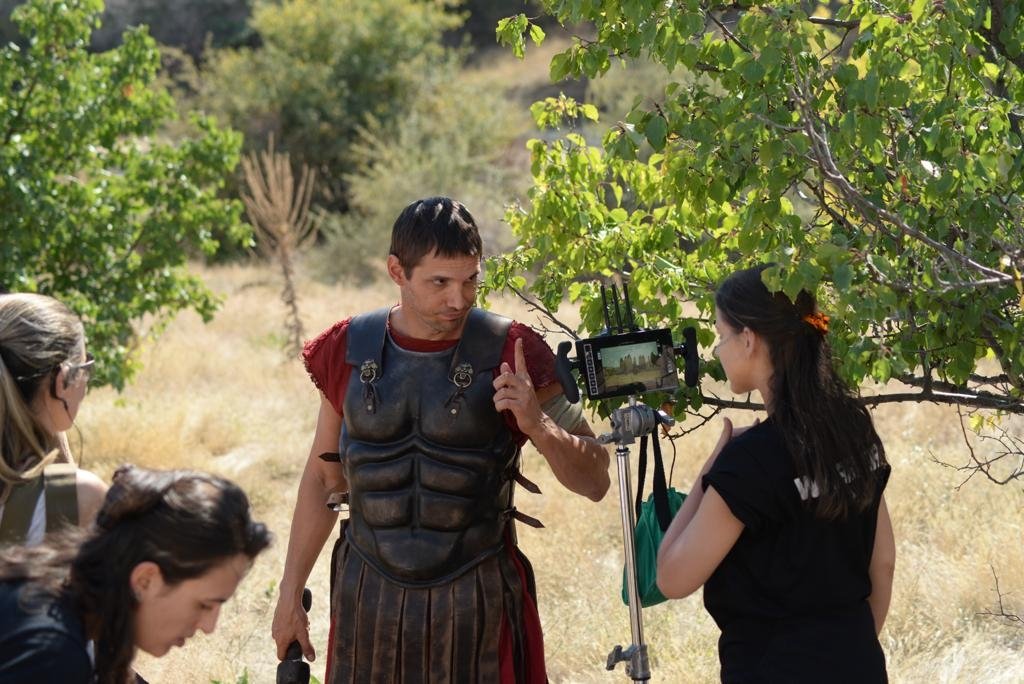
(463, 375)
(462, 378)
(369, 373)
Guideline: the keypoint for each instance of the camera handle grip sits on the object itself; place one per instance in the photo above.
(563, 371)
(690, 356)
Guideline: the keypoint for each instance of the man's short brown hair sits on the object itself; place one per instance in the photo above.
(435, 225)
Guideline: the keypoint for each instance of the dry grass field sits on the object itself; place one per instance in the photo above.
(225, 398)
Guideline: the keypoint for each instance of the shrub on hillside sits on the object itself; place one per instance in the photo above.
(324, 69)
(454, 141)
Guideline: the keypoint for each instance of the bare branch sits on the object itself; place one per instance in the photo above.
(939, 393)
(946, 393)
(732, 403)
(728, 34)
(703, 419)
(835, 23)
(543, 311)
(1010, 460)
(1002, 613)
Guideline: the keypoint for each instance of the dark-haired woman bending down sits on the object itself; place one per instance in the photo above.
(786, 527)
(168, 548)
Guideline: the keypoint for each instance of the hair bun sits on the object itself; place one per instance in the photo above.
(133, 492)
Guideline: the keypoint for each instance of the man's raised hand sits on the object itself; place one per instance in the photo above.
(514, 392)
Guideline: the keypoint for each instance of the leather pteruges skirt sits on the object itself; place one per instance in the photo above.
(385, 632)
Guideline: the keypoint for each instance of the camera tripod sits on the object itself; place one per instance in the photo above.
(628, 423)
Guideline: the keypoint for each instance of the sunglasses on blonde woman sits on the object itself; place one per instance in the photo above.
(86, 367)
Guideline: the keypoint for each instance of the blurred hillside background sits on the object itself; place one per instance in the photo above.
(388, 101)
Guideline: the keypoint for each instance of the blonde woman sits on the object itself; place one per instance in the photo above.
(44, 373)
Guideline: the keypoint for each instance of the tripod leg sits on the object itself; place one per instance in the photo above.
(637, 665)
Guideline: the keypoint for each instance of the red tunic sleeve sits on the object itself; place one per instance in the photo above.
(324, 357)
(540, 360)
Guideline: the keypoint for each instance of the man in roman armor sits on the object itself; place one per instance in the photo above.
(424, 408)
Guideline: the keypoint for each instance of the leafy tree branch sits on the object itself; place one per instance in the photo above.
(873, 153)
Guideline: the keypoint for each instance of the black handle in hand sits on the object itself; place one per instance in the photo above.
(292, 670)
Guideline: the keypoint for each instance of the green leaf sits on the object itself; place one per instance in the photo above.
(917, 8)
(842, 276)
(560, 67)
(752, 71)
(846, 74)
(510, 32)
(124, 205)
(853, 167)
(655, 130)
(536, 34)
(871, 89)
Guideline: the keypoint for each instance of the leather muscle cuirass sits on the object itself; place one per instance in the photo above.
(429, 461)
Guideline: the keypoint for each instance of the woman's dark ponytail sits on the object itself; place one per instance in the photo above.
(829, 434)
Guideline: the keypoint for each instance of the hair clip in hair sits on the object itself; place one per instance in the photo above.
(818, 321)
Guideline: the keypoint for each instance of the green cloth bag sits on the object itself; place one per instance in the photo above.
(653, 517)
(647, 538)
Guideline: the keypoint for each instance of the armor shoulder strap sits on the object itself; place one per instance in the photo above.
(483, 340)
(60, 485)
(18, 510)
(365, 337)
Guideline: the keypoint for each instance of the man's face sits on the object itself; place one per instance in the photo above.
(436, 295)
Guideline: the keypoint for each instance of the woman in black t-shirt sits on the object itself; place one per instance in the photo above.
(787, 529)
(167, 549)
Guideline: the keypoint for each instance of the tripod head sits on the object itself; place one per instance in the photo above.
(635, 420)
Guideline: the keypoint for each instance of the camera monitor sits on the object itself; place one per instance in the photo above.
(630, 363)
